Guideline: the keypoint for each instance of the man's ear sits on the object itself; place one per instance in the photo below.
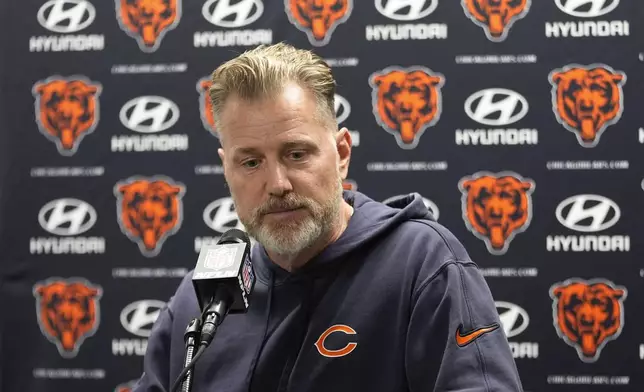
(343, 146)
(220, 151)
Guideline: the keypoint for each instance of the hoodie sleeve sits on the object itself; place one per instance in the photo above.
(156, 363)
(455, 340)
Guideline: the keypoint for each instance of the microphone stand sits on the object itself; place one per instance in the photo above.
(191, 338)
(198, 336)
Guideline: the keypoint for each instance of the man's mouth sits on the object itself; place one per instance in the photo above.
(283, 210)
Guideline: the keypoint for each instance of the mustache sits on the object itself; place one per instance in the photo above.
(281, 204)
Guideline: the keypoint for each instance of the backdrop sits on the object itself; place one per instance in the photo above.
(517, 120)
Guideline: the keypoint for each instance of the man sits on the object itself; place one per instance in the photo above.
(351, 294)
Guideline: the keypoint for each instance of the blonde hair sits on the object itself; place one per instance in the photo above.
(265, 70)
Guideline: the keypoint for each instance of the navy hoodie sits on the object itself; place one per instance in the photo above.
(395, 304)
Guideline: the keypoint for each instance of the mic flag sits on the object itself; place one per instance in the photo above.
(225, 269)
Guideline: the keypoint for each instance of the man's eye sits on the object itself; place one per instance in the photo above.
(297, 155)
(251, 163)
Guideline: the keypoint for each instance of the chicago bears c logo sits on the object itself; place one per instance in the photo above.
(318, 19)
(588, 314)
(587, 99)
(205, 105)
(150, 210)
(148, 21)
(496, 17)
(68, 312)
(406, 102)
(496, 207)
(335, 353)
(67, 110)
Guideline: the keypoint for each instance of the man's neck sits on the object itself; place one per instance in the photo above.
(293, 262)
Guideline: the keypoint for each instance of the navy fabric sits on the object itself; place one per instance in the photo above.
(391, 294)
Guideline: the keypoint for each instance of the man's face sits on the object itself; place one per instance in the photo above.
(284, 169)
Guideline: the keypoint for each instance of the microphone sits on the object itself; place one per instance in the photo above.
(223, 280)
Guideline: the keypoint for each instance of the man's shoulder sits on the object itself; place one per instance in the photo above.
(424, 249)
(431, 239)
(184, 297)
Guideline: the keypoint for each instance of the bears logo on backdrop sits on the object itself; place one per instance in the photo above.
(496, 17)
(587, 99)
(67, 110)
(318, 19)
(205, 106)
(496, 207)
(149, 210)
(406, 101)
(349, 185)
(68, 312)
(126, 387)
(588, 314)
(148, 21)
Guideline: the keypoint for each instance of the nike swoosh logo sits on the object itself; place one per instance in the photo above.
(465, 339)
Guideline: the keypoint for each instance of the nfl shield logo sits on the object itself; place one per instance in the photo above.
(220, 258)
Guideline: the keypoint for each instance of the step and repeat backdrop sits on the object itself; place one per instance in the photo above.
(518, 121)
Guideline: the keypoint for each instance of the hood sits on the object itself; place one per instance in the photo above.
(370, 219)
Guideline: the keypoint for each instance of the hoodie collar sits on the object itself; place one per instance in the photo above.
(370, 218)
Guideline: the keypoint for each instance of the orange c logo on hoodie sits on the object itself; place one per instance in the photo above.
(205, 105)
(496, 207)
(149, 211)
(587, 315)
(496, 17)
(147, 21)
(346, 350)
(318, 18)
(406, 102)
(67, 110)
(586, 100)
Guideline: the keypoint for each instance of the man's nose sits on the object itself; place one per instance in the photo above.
(278, 182)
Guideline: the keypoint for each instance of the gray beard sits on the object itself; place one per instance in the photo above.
(291, 238)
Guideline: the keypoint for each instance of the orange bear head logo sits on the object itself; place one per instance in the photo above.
(148, 21)
(318, 18)
(495, 17)
(587, 99)
(67, 110)
(150, 210)
(68, 312)
(126, 387)
(406, 102)
(349, 185)
(205, 105)
(588, 314)
(496, 207)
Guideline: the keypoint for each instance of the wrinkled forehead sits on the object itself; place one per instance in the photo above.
(271, 121)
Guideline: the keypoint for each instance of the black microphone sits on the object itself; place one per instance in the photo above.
(223, 280)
